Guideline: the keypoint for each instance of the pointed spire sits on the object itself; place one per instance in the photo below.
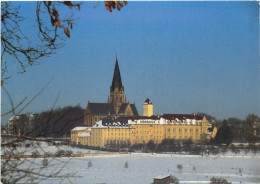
(116, 82)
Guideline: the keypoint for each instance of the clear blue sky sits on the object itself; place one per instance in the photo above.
(185, 56)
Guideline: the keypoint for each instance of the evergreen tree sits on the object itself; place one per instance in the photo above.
(250, 133)
(224, 134)
(151, 146)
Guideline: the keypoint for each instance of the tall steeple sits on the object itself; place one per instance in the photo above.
(116, 82)
(116, 89)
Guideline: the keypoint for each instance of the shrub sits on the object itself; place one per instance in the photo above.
(45, 162)
(126, 165)
(168, 145)
(194, 169)
(216, 180)
(35, 153)
(68, 153)
(48, 154)
(174, 180)
(89, 164)
(60, 153)
(180, 167)
(151, 146)
(137, 146)
(6, 152)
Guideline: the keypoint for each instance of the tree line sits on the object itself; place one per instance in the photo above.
(51, 123)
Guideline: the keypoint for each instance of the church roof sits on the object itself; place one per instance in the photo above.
(107, 108)
(116, 82)
(101, 108)
(122, 108)
(135, 112)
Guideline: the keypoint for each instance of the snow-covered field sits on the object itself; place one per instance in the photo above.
(143, 167)
(45, 147)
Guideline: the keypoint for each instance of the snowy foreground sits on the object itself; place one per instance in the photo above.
(44, 147)
(142, 167)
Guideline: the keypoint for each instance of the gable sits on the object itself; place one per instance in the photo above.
(128, 109)
(135, 112)
(88, 110)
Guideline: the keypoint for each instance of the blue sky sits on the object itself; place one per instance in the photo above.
(185, 56)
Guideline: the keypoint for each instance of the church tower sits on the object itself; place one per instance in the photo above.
(117, 89)
(147, 108)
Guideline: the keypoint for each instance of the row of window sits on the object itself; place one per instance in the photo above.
(185, 130)
(185, 137)
(118, 129)
(117, 134)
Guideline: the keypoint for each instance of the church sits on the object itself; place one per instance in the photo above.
(116, 106)
(117, 122)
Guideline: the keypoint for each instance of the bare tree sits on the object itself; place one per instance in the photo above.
(18, 45)
(52, 32)
(250, 128)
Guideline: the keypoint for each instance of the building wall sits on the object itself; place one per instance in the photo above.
(148, 110)
(142, 131)
(88, 117)
(183, 132)
(74, 135)
(84, 140)
(111, 136)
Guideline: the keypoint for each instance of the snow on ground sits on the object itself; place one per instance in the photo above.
(144, 166)
(46, 147)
